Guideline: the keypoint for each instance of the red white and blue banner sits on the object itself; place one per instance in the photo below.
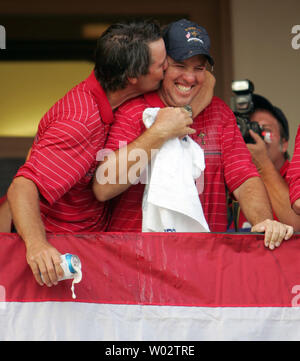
(152, 287)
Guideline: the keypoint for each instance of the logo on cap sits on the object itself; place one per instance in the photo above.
(194, 33)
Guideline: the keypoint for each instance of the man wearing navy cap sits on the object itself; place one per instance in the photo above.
(272, 159)
(227, 159)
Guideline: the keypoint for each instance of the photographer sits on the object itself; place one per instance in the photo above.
(268, 148)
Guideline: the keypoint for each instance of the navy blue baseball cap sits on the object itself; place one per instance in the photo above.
(184, 39)
(261, 103)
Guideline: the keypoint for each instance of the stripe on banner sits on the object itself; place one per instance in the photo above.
(150, 287)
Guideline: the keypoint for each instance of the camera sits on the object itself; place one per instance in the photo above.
(242, 107)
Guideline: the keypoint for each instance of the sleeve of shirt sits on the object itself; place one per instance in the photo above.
(59, 159)
(238, 165)
(293, 174)
(127, 126)
(3, 199)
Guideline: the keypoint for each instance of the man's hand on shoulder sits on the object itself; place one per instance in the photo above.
(205, 95)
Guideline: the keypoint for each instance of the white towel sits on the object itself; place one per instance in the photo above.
(171, 202)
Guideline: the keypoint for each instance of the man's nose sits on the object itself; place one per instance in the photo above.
(189, 76)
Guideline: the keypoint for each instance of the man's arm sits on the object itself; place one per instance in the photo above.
(5, 213)
(170, 123)
(205, 95)
(42, 257)
(276, 186)
(255, 204)
(5, 217)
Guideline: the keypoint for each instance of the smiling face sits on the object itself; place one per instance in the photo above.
(152, 80)
(183, 80)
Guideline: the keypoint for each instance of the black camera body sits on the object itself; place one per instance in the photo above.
(242, 107)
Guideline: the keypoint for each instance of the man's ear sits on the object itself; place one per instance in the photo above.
(132, 81)
(284, 145)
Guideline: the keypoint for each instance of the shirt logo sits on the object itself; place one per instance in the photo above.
(202, 136)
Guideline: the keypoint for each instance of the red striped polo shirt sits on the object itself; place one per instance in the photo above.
(294, 171)
(63, 159)
(227, 158)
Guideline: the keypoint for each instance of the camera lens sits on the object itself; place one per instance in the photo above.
(255, 127)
